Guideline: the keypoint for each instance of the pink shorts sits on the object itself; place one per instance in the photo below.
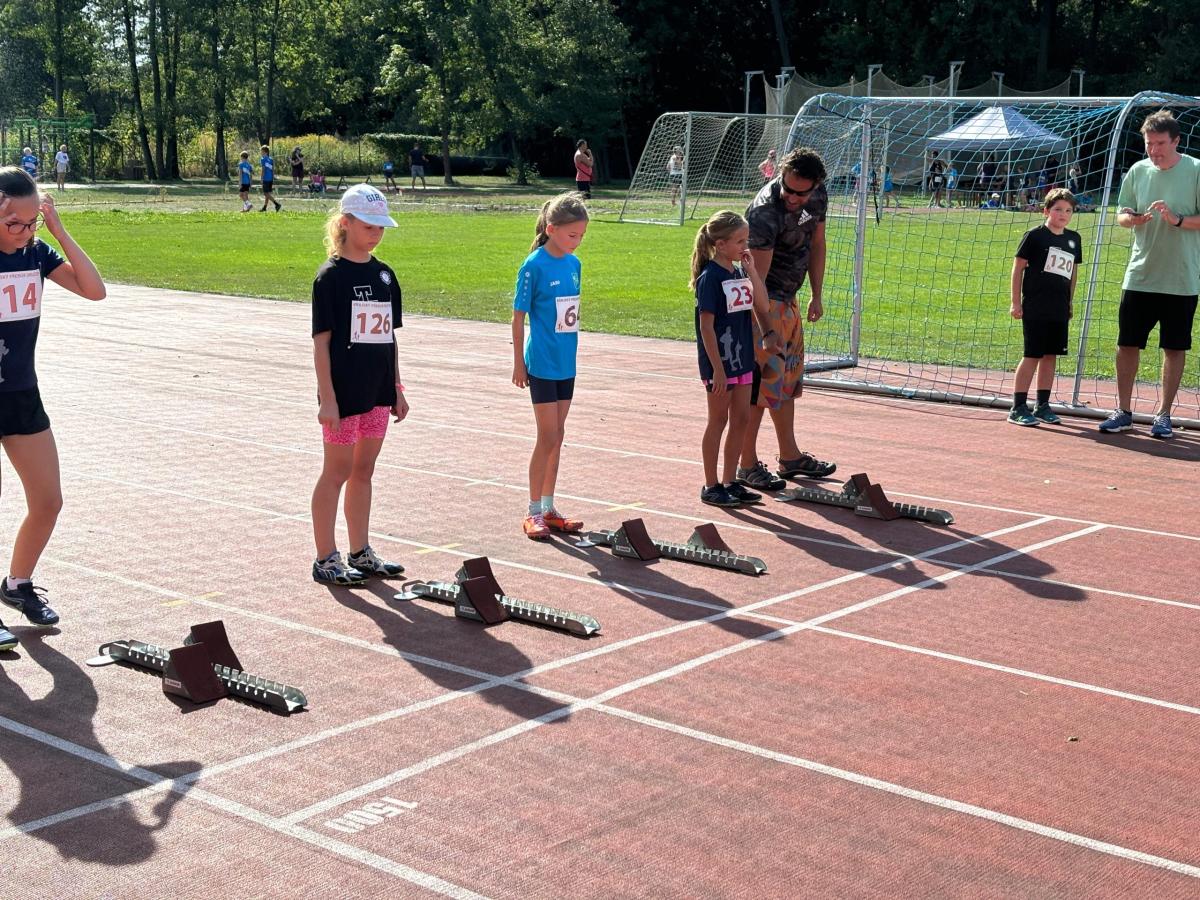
(747, 378)
(371, 424)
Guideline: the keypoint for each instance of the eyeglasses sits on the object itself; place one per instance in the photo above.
(18, 227)
(794, 192)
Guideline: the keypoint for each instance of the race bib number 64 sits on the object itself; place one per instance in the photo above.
(566, 314)
(739, 295)
(20, 295)
(370, 322)
(1060, 262)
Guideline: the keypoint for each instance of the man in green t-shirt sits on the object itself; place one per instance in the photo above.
(1160, 201)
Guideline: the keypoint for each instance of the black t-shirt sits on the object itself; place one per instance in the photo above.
(788, 234)
(729, 296)
(22, 275)
(1046, 284)
(937, 169)
(360, 304)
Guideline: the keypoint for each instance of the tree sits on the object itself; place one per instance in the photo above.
(128, 14)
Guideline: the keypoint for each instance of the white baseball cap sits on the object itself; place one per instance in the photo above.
(366, 204)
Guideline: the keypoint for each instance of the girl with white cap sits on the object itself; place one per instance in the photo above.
(356, 309)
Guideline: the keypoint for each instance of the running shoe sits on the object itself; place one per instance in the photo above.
(1020, 415)
(1162, 427)
(741, 495)
(1118, 420)
(8, 640)
(805, 464)
(536, 528)
(368, 562)
(28, 600)
(556, 522)
(333, 570)
(760, 477)
(718, 495)
(1043, 413)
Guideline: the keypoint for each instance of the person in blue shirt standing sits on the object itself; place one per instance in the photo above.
(245, 176)
(29, 163)
(389, 176)
(548, 293)
(268, 179)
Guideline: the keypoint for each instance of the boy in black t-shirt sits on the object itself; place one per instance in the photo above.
(1043, 286)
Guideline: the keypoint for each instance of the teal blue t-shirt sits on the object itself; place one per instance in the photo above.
(1164, 259)
(548, 293)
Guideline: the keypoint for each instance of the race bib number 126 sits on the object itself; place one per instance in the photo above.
(20, 295)
(370, 322)
(566, 314)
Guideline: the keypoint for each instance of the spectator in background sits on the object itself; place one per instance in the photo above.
(297, 161)
(584, 163)
(62, 164)
(768, 167)
(416, 161)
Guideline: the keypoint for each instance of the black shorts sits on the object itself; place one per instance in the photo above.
(584, 187)
(1044, 337)
(549, 390)
(21, 412)
(268, 187)
(1141, 310)
(244, 189)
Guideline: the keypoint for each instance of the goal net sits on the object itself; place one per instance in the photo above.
(696, 162)
(917, 300)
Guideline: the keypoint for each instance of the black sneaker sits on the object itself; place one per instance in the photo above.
(805, 464)
(718, 495)
(760, 477)
(331, 570)
(740, 494)
(8, 640)
(368, 562)
(28, 600)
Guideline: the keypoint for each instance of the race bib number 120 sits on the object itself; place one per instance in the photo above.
(20, 295)
(566, 314)
(1060, 262)
(370, 322)
(739, 295)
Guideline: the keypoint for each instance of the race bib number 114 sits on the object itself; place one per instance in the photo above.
(20, 295)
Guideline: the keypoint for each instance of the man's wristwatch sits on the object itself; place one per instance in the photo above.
(1179, 224)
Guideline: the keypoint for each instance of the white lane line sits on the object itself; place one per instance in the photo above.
(646, 680)
(241, 811)
(935, 800)
(1009, 670)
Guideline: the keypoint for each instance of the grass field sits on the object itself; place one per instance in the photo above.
(935, 283)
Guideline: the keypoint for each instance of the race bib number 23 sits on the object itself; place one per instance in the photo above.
(370, 322)
(20, 295)
(566, 314)
(739, 295)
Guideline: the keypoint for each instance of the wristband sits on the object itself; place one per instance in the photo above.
(1179, 224)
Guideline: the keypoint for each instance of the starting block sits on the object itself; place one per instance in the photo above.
(705, 546)
(866, 499)
(476, 595)
(205, 668)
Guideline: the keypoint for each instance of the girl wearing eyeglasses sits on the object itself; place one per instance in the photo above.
(25, 262)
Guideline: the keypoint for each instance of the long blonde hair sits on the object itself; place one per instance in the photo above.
(561, 210)
(720, 227)
(335, 234)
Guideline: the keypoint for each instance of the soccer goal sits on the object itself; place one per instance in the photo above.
(917, 282)
(695, 161)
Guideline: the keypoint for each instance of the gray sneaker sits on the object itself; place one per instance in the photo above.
(333, 570)
(368, 562)
(759, 477)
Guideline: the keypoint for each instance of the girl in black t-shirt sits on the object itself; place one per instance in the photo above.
(355, 308)
(25, 262)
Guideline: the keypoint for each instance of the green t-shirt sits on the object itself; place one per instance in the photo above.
(1165, 259)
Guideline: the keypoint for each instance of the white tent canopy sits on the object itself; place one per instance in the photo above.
(1002, 129)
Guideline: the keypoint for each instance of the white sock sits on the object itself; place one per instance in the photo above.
(14, 583)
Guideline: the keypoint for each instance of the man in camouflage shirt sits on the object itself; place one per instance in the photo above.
(787, 240)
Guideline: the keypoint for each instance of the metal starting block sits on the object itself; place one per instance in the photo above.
(477, 595)
(866, 499)
(705, 546)
(205, 668)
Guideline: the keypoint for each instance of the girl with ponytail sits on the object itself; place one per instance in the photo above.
(548, 293)
(728, 291)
